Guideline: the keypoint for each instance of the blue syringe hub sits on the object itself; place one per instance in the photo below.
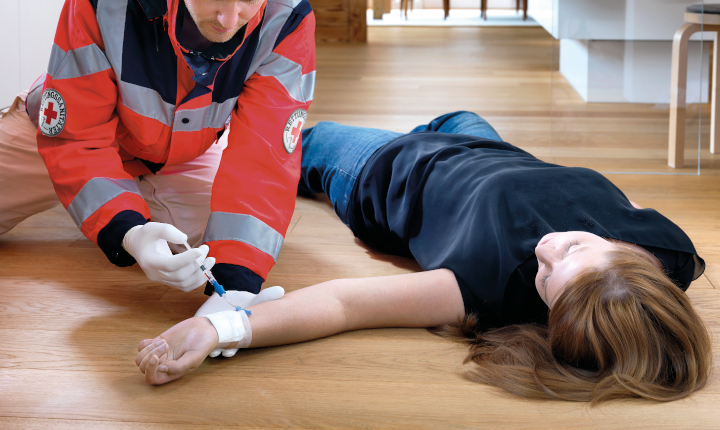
(218, 288)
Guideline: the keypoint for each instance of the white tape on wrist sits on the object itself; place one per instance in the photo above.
(231, 326)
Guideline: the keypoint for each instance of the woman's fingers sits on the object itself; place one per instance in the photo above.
(151, 374)
(176, 352)
(170, 370)
(156, 349)
(144, 348)
(184, 365)
(145, 342)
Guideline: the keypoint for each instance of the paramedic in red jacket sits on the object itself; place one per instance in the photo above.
(184, 112)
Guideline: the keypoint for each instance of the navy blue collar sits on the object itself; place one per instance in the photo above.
(153, 9)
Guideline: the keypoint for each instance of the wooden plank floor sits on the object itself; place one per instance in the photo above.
(70, 321)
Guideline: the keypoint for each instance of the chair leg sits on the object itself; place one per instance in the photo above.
(715, 113)
(525, 9)
(446, 7)
(483, 9)
(676, 141)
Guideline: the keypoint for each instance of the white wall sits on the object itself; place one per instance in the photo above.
(9, 50)
(28, 30)
(617, 71)
(620, 50)
(611, 19)
(574, 64)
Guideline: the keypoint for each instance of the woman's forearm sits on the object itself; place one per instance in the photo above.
(309, 313)
(423, 299)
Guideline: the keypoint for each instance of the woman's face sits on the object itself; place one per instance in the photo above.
(561, 256)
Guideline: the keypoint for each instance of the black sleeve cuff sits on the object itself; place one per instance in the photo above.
(111, 236)
(233, 277)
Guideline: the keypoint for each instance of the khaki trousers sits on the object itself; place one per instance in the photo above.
(177, 195)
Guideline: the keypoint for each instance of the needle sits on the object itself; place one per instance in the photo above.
(218, 288)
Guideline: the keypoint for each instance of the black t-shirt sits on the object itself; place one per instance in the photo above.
(479, 207)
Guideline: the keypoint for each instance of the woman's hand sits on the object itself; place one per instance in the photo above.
(178, 351)
(423, 299)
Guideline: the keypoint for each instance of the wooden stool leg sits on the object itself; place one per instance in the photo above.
(446, 7)
(483, 9)
(714, 112)
(378, 6)
(676, 143)
(524, 10)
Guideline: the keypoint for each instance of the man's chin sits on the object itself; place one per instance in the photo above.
(215, 37)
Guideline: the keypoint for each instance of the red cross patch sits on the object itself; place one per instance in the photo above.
(293, 129)
(51, 120)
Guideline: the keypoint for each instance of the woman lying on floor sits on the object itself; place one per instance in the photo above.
(562, 287)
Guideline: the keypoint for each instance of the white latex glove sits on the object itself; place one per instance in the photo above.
(149, 245)
(240, 298)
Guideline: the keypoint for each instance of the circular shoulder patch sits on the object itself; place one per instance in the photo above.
(52, 113)
(293, 129)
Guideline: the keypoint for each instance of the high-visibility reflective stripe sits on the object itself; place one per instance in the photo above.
(57, 55)
(32, 103)
(141, 100)
(95, 193)
(246, 229)
(289, 74)
(76, 62)
(111, 20)
(289, 3)
(146, 102)
(213, 116)
(276, 13)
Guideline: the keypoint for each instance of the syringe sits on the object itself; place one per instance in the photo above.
(218, 288)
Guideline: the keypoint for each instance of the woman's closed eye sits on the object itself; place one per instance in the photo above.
(567, 248)
(567, 251)
(544, 283)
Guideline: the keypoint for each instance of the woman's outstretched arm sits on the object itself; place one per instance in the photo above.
(424, 299)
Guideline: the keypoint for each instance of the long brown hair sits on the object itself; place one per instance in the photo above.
(624, 330)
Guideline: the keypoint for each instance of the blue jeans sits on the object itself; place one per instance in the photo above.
(333, 155)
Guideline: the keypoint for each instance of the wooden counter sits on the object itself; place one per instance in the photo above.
(340, 20)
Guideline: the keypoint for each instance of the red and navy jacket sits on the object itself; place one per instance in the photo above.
(122, 97)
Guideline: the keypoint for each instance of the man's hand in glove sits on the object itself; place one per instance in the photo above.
(148, 244)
